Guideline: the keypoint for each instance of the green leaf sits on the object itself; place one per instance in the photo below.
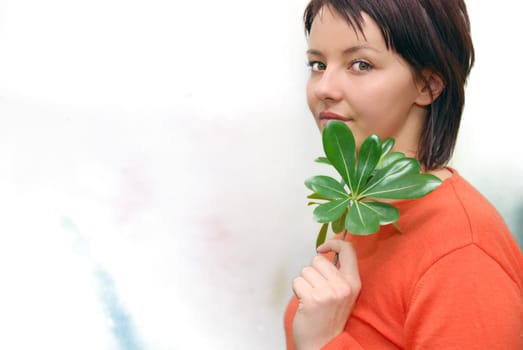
(328, 212)
(339, 225)
(368, 157)
(322, 235)
(317, 196)
(386, 212)
(397, 169)
(376, 172)
(389, 159)
(340, 148)
(323, 160)
(407, 187)
(326, 187)
(361, 220)
(386, 146)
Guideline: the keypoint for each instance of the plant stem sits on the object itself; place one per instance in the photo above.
(343, 235)
(336, 257)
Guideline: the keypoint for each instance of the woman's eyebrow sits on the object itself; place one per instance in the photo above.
(350, 50)
(314, 52)
(357, 48)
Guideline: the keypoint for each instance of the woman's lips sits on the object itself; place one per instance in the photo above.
(326, 116)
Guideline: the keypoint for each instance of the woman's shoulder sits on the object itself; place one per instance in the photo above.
(466, 203)
(457, 216)
(455, 205)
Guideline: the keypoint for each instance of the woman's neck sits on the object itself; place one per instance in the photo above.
(442, 173)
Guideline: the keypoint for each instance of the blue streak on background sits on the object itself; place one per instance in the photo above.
(122, 324)
(123, 328)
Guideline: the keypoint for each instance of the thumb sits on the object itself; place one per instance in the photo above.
(348, 259)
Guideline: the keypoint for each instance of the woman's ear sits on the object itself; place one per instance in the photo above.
(430, 85)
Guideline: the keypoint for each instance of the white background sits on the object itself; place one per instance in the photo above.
(152, 158)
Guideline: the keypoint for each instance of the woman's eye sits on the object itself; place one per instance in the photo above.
(361, 66)
(316, 66)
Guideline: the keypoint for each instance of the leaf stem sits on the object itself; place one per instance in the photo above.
(337, 257)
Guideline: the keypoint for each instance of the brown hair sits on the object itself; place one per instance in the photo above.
(430, 35)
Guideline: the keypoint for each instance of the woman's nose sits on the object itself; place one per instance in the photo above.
(329, 86)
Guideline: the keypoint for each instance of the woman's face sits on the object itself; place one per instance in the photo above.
(355, 78)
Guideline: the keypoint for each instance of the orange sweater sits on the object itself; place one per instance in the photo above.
(452, 280)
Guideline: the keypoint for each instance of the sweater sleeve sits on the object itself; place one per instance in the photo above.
(465, 300)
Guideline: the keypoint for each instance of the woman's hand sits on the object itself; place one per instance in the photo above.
(326, 295)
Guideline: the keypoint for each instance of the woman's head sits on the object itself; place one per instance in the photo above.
(432, 37)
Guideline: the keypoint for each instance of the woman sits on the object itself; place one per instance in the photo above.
(453, 279)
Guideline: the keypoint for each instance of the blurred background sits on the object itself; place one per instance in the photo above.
(152, 158)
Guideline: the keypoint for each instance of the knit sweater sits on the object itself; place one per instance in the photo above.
(452, 279)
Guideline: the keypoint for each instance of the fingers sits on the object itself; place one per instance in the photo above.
(319, 275)
(311, 277)
(348, 260)
(325, 267)
(322, 274)
(300, 287)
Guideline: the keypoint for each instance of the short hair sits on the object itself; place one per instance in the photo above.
(428, 34)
